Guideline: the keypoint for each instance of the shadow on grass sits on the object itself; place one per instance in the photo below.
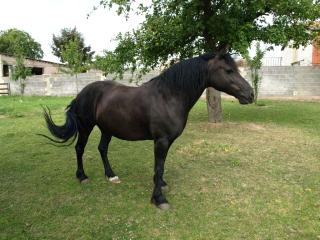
(287, 113)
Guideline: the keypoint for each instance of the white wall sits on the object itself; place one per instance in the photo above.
(289, 56)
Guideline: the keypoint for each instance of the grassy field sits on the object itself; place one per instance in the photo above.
(256, 176)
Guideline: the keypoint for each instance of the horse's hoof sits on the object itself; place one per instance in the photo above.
(165, 188)
(84, 181)
(164, 206)
(115, 180)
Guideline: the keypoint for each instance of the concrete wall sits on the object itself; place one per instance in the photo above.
(66, 85)
(55, 85)
(302, 56)
(290, 81)
(282, 81)
(277, 57)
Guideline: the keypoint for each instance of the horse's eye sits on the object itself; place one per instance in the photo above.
(229, 71)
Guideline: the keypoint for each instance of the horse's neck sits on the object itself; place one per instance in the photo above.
(187, 99)
(185, 96)
(191, 100)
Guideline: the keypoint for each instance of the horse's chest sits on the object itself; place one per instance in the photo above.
(168, 124)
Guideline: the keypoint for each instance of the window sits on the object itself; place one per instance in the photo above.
(36, 71)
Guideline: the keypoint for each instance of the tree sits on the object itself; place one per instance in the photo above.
(66, 35)
(15, 42)
(20, 72)
(255, 64)
(183, 29)
(72, 54)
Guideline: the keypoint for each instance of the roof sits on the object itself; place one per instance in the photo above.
(32, 59)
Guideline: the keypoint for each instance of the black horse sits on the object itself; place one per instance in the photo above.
(157, 110)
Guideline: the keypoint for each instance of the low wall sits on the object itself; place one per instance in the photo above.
(286, 81)
(55, 85)
(66, 85)
(282, 81)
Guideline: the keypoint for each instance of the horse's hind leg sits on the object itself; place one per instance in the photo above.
(80, 145)
(103, 149)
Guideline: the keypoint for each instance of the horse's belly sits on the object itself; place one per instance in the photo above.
(125, 127)
(125, 115)
(131, 133)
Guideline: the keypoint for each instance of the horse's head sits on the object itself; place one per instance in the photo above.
(224, 76)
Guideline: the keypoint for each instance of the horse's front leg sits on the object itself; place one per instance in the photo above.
(161, 147)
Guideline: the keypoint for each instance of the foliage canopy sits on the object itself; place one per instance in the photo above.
(60, 42)
(75, 58)
(255, 64)
(19, 43)
(182, 29)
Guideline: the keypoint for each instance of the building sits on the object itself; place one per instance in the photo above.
(303, 56)
(38, 67)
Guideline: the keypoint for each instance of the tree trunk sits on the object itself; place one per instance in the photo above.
(214, 105)
(77, 84)
(213, 96)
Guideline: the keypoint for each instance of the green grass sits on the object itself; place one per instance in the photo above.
(256, 176)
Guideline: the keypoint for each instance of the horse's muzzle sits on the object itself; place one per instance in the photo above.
(246, 98)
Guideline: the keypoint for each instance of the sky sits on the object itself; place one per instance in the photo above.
(43, 18)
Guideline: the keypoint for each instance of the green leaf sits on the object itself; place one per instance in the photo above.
(182, 29)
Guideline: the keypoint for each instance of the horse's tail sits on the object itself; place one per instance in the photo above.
(66, 131)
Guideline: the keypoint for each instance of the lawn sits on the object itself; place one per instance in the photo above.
(255, 176)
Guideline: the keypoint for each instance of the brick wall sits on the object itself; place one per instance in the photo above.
(315, 54)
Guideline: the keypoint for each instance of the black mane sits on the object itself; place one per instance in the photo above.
(187, 75)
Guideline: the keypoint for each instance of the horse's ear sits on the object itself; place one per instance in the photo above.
(223, 49)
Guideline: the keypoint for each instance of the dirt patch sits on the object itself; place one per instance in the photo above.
(295, 98)
(207, 125)
(253, 126)
(227, 125)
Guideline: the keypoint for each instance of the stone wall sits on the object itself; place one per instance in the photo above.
(277, 81)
